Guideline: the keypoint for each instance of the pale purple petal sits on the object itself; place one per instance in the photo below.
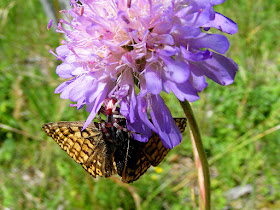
(196, 19)
(62, 50)
(79, 91)
(167, 51)
(185, 32)
(153, 81)
(142, 130)
(164, 39)
(168, 131)
(183, 91)
(216, 42)
(197, 79)
(65, 94)
(124, 108)
(142, 110)
(223, 24)
(122, 92)
(101, 86)
(63, 85)
(64, 70)
(195, 56)
(177, 71)
(94, 107)
(133, 111)
(162, 28)
(220, 69)
(216, 2)
(135, 123)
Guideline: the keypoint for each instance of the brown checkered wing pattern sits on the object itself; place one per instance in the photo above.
(154, 150)
(142, 155)
(100, 156)
(86, 147)
(134, 164)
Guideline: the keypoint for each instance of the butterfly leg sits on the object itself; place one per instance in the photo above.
(116, 125)
(104, 125)
(101, 111)
(115, 120)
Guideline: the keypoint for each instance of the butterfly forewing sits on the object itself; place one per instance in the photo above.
(100, 156)
(86, 147)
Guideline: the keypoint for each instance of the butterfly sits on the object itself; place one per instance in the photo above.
(100, 156)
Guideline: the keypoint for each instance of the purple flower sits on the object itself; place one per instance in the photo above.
(118, 48)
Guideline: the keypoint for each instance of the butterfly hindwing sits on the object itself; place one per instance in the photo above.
(141, 155)
(130, 159)
(154, 149)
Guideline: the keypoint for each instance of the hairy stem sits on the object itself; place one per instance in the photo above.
(199, 156)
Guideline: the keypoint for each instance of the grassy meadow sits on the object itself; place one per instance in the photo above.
(239, 124)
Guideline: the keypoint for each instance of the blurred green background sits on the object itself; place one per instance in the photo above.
(239, 124)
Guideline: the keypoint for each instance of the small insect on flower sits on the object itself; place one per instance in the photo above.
(103, 156)
(107, 147)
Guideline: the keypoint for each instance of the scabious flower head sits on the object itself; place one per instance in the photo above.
(134, 49)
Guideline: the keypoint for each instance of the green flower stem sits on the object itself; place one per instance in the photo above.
(200, 157)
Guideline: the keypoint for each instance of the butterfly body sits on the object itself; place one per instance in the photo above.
(101, 156)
